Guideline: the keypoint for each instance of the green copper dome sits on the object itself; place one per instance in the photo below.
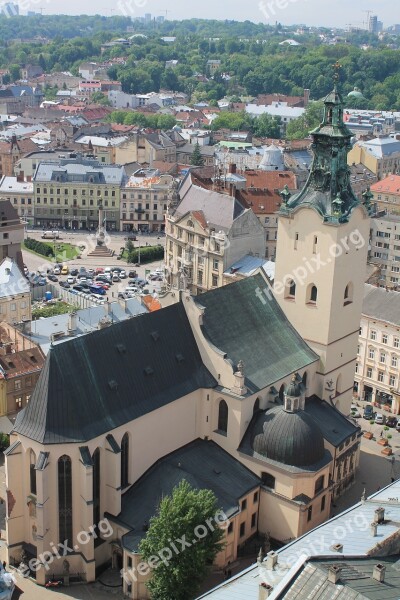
(356, 93)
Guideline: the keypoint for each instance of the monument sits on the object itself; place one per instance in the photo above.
(101, 247)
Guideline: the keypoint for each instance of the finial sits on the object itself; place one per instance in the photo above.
(336, 67)
(363, 496)
(240, 367)
(260, 556)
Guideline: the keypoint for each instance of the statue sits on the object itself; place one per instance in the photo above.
(367, 197)
(240, 367)
(285, 194)
(66, 572)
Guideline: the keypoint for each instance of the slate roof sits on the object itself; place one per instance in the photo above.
(255, 330)
(97, 382)
(382, 147)
(204, 465)
(381, 304)
(335, 427)
(220, 210)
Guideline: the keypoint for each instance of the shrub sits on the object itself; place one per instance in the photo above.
(147, 254)
(39, 247)
(4, 441)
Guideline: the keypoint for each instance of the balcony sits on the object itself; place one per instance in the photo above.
(139, 210)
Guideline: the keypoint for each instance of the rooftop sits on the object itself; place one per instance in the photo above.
(381, 304)
(12, 282)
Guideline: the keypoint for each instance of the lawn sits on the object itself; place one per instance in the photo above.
(64, 252)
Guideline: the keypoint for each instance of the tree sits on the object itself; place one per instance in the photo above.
(100, 98)
(14, 72)
(267, 126)
(181, 516)
(301, 127)
(196, 159)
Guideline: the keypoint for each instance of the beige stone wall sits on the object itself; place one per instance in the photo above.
(330, 326)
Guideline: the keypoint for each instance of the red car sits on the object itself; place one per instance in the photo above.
(99, 270)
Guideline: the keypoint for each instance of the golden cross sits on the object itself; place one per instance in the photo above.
(337, 66)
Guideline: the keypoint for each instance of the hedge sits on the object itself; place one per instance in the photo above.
(39, 247)
(147, 254)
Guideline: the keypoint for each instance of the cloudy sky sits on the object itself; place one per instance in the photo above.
(311, 12)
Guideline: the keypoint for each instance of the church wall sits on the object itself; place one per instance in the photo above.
(246, 236)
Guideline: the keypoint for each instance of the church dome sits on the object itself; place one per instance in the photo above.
(291, 438)
(294, 390)
(272, 159)
(356, 93)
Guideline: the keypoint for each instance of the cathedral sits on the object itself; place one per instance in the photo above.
(244, 390)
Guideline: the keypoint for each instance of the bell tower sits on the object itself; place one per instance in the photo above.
(321, 259)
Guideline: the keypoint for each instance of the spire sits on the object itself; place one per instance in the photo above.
(328, 189)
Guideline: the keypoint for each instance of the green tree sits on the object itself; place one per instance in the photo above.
(100, 98)
(196, 159)
(267, 126)
(182, 514)
(301, 127)
(15, 72)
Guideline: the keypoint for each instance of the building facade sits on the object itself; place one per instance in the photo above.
(387, 194)
(68, 193)
(380, 155)
(206, 233)
(144, 201)
(15, 293)
(20, 195)
(378, 359)
(385, 248)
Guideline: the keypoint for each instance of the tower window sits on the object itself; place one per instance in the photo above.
(290, 291)
(312, 294)
(348, 294)
(268, 480)
(296, 239)
(315, 244)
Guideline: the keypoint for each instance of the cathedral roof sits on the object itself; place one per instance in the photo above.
(248, 325)
(97, 382)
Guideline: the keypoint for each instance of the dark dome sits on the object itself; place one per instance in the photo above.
(294, 389)
(289, 438)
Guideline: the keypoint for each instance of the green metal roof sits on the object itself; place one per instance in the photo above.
(247, 325)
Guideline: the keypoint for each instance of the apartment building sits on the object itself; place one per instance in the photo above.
(144, 201)
(15, 293)
(387, 194)
(68, 193)
(206, 233)
(385, 248)
(380, 155)
(378, 357)
(20, 194)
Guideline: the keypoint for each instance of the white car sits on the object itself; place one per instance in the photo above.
(57, 271)
(71, 280)
(107, 271)
(122, 274)
(379, 419)
(131, 288)
(355, 413)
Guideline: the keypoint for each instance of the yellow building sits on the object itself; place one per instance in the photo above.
(68, 193)
(380, 155)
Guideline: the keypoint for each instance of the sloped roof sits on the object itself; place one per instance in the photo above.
(389, 185)
(219, 210)
(335, 427)
(204, 465)
(11, 279)
(247, 325)
(97, 382)
(381, 304)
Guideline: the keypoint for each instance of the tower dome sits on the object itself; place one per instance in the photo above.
(272, 159)
(356, 93)
(294, 390)
(291, 438)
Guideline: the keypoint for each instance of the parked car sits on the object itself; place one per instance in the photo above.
(65, 285)
(99, 270)
(368, 412)
(398, 425)
(91, 272)
(132, 274)
(52, 278)
(131, 288)
(355, 413)
(379, 419)
(391, 421)
(122, 274)
(115, 279)
(74, 272)
(57, 270)
(42, 281)
(65, 270)
(71, 280)
(78, 288)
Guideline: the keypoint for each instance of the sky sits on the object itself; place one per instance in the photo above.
(333, 13)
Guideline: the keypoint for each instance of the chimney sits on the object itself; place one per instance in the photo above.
(373, 528)
(334, 574)
(272, 560)
(306, 98)
(72, 321)
(379, 516)
(379, 573)
(264, 591)
(26, 326)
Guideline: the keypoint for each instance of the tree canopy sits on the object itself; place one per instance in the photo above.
(190, 515)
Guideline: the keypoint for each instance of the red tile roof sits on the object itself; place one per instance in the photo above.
(389, 185)
(263, 187)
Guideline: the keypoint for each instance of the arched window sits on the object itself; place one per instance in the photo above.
(282, 392)
(190, 223)
(312, 294)
(319, 485)
(256, 406)
(268, 480)
(125, 461)
(223, 417)
(290, 289)
(65, 500)
(32, 472)
(96, 487)
(304, 379)
(348, 294)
